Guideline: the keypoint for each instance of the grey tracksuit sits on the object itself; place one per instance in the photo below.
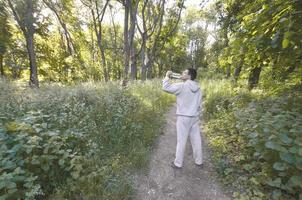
(188, 96)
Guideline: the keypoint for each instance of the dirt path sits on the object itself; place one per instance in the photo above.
(161, 182)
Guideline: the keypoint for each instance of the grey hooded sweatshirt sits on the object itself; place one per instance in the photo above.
(188, 96)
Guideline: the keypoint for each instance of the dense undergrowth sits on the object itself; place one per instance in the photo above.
(255, 137)
(76, 142)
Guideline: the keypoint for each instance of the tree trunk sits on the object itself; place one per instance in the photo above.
(237, 72)
(115, 63)
(157, 46)
(97, 17)
(133, 11)
(33, 82)
(1, 66)
(29, 19)
(106, 74)
(143, 58)
(238, 69)
(228, 71)
(254, 77)
(160, 68)
(102, 50)
(69, 42)
(226, 44)
(274, 69)
(28, 29)
(133, 68)
(149, 69)
(68, 39)
(126, 42)
(100, 38)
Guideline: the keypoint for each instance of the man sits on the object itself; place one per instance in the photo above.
(188, 97)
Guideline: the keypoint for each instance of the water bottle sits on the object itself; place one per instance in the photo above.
(175, 76)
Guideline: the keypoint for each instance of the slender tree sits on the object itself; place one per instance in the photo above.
(152, 20)
(126, 4)
(58, 8)
(133, 22)
(23, 12)
(4, 35)
(116, 49)
(98, 9)
(155, 33)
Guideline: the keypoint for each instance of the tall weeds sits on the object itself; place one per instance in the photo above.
(76, 142)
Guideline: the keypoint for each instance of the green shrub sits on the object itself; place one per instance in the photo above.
(272, 129)
(255, 139)
(80, 142)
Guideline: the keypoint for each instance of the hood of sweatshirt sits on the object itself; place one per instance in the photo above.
(193, 85)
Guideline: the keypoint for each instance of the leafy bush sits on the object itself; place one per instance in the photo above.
(256, 140)
(77, 142)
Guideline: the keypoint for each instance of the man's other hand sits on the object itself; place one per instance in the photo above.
(168, 74)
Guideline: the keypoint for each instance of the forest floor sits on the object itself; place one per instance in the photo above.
(161, 182)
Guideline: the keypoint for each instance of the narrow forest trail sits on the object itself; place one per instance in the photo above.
(161, 182)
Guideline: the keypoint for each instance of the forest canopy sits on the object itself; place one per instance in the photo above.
(79, 40)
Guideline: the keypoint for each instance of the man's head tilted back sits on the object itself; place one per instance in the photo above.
(192, 73)
(189, 74)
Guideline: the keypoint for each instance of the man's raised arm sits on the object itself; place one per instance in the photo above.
(171, 88)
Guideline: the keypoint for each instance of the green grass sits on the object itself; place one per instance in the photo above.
(77, 142)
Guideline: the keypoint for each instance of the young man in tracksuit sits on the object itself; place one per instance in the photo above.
(188, 97)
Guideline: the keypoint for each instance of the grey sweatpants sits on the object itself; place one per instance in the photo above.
(188, 126)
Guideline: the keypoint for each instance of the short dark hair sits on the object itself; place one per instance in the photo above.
(192, 73)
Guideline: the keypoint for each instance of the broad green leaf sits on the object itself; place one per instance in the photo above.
(265, 6)
(254, 181)
(19, 178)
(300, 152)
(253, 135)
(276, 194)
(285, 139)
(44, 125)
(275, 146)
(75, 175)
(294, 149)
(28, 184)
(275, 183)
(287, 34)
(61, 162)
(266, 130)
(11, 191)
(11, 185)
(2, 184)
(296, 180)
(287, 157)
(279, 166)
(285, 43)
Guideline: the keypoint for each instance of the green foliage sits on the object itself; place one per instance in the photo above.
(256, 135)
(68, 48)
(256, 139)
(174, 56)
(261, 34)
(80, 142)
(4, 30)
(197, 37)
(272, 128)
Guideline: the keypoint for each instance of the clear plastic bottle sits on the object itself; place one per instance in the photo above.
(175, 75)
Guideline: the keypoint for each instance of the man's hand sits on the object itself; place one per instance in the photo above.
(168, 74)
